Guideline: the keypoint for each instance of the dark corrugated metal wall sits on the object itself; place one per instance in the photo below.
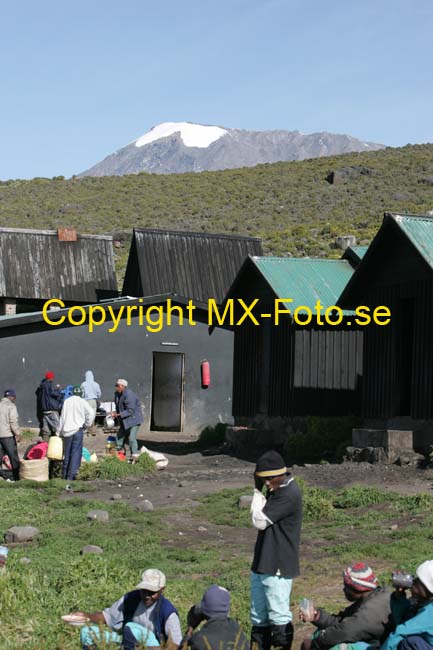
(312, 371)
(382, 371)
(281, 373)
(246, 370)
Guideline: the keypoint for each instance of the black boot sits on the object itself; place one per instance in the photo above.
(260, 638)
(282, 636)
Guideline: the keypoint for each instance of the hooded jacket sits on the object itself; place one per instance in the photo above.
(91, 388)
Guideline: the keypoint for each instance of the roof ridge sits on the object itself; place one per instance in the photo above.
(191, 233)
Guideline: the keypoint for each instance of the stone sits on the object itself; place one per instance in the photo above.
(25, 560)
(144, 506)
(98, 515)
(245, 501)
(116, 497)
(18, 534)
(202, 529)
(345, 241)
(393, 527)
(395, 443)
(91, 548)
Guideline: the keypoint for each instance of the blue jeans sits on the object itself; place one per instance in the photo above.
(132, 634)
(130, 436)
(270, 600)
(72, 449)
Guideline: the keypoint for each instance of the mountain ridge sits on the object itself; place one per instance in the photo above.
(181, 147)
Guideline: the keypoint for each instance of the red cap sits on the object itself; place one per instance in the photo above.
(49, 374)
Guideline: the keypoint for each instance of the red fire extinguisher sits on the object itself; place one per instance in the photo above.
(205, 373)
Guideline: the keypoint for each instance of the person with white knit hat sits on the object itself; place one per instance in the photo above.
(414, 629)
(362, 623)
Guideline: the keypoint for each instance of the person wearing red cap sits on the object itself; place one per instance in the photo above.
(364, 622)
(48, 403)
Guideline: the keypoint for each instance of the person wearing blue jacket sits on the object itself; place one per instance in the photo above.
(414, 631)
(128, 410)
(49, 403)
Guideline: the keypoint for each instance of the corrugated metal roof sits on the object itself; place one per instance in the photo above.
(198, 265)
(34, 264)
(305, 280)
(360, 251)
(419, 230)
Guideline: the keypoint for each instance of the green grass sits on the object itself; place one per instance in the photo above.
(58, 579)
(112, 467)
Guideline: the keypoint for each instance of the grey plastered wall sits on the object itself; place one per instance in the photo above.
(27, 352)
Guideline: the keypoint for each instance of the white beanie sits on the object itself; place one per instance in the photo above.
(425, 574)
(122, 382)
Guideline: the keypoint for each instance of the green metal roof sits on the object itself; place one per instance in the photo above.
(419, 230)
(360, 251)
(305, 280)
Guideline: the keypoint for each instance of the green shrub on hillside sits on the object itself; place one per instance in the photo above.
(289, 204)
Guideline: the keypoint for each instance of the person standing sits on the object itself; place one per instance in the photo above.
(278, 518)
(91, 393)
(128, 410)
(49, 403)
(76, 415)
(9, 431)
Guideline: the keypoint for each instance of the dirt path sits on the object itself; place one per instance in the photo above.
(192, 474)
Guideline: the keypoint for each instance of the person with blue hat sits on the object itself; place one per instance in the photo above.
(220, 632)
(9, 433)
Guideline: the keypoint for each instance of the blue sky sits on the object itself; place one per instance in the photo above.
(81, 79)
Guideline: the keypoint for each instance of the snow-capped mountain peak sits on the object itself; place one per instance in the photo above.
(192, 135)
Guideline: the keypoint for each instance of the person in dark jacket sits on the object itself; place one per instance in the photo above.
(128, 410)
(49, 402)
(219, 632)
(142, 616)
(278, 518)
(414, 617)
(366, 621)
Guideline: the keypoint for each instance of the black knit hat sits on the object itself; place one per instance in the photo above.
(270, 464)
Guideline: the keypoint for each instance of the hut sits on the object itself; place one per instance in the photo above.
(201, 266)
(397, 272)
(36, 265)
(301, 365)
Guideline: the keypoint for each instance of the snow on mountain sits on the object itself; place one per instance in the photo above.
(192, 135)
(178, 147)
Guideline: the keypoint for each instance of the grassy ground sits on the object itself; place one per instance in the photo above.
(358, 523)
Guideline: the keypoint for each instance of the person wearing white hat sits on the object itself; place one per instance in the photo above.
(142, 616)
(414, 629)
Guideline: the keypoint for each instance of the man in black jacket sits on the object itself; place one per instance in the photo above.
(49, 402)
(365, 621)
(219, 632)
(278, 518)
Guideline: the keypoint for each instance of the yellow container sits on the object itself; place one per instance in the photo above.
(55, 448)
